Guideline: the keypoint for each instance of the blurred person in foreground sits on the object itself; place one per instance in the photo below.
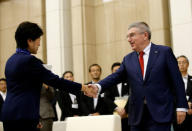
(3, 92)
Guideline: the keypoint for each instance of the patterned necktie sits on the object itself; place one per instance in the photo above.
(141, 61)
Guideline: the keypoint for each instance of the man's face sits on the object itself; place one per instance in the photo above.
(183, 64)
(95, 72)
(33, 46)
(69, 77)
(136, 38)
(115, 69)
(3, 86)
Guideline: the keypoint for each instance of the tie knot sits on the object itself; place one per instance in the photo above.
(141, 53)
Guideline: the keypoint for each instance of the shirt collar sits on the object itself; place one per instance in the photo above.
(147, 49)
(93, 82)
(3, 94)
(185, 77)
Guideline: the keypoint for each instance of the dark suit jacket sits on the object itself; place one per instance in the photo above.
(87, 104)
(189, 88)
(111, 93)
(1, 105)
(162, 76)
(186, 125)
(25, 75)
(65, 103)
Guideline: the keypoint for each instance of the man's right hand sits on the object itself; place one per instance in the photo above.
(95, 89)
(90, 90)
(121, 112)
(180, 117)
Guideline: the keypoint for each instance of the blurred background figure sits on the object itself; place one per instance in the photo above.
(93, 106)
(47, 113)
(183, 64)
(3, 88)
(68, 102)
(120, 90)
(3, 92)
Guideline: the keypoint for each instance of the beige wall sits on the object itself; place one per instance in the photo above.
(83, 37)
(99, 30)
(181, 28)
(12, 13)
(59, 35)
(112, 20)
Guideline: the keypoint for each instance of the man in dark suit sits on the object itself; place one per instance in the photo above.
(3, 93)
(183, 64)
(154, 76)
(25, 74)
(1, 105)
(120, 90)
(68, 102)
(93, 106)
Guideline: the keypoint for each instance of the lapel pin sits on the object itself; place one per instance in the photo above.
(156, 52)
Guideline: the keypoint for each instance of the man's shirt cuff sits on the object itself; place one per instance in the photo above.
(182, 109)
(99, 87)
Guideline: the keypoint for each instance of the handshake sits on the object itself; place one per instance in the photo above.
(90, 90)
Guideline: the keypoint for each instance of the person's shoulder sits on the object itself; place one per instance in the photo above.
(19, 57)
(11, 57)
(32, 58)
(22, 56)
(161, 47)
(131, 54)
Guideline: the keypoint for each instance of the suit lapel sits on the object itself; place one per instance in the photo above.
(153, 55)
(69, 98)
(125, 89)
(116, 92)
(189, 85)
(1, 98)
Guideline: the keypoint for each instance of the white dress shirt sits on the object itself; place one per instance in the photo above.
(73, 98)
(119, 88)
(74, 104)
(95, 100)
(185, 80)
(3, 95)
